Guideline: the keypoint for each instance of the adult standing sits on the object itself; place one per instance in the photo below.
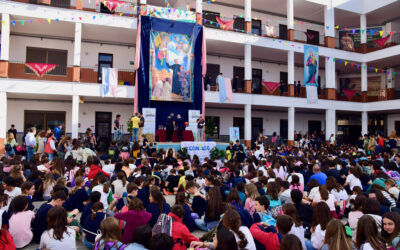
(57, 132)
(200, 128)
(13, 130)
(10, 150)
(180, 126)
(169, 125)
(135, 126)
(141, 125)
(298, 88)
(30, 143)
(50, 147)
(117, 128)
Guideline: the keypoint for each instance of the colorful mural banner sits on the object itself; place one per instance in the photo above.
(171, 14)
(171, 67)
(311, 64)
(109, 83)
(41, 69)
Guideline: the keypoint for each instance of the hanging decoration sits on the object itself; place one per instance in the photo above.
(226, 25)
(271, 86)
(111, 4)
(349, 93)
(381, 42)
(41, 69)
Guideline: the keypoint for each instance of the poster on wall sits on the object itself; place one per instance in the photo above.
(234, 134)
(171, 67)
(350, 39)
(311, 64)
(354, 83)
(201, 149)
(149, 115)
(193, 116)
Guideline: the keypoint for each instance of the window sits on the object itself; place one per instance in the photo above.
(284, 79)
(256, 27)
(210, 19)
(43, 120)
(54, 3)
(105, 61)
(239, 72)
(313, 37)
(282, 31)
(239, 24)
(51, 56)
(212, 73)
(212, 127)
(256, 81)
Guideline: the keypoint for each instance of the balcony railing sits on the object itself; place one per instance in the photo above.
(91, 75)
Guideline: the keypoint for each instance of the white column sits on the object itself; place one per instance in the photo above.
(364, 77)
(3, 114)
(75, 116)
(290, 67)
(5, 37)
(363, 26)
(247, 62)
(199, 6)
(290, 15)
(330, 123)
(247, 10)
(364, 123)
(291, 124)
(390, 84)
(329, 19)
(247, 122)
(77, 44)
(330, 74)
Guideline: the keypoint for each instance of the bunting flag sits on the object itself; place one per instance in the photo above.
(226, 25)
(349, 93)
(41, 69)
(271, 86)
(381, 42)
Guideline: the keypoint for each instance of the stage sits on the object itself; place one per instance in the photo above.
(177, 146)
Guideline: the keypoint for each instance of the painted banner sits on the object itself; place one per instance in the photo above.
(171, 67)
(109, 82)
(201, 149)
(171, 14)
(311, 64)
(234, 134)
(149, 115)
(194, 115)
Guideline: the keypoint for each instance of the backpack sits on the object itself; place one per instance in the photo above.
(163, 225)
(225, 175)
(8, 147)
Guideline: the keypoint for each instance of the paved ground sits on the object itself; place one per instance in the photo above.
(80, 246)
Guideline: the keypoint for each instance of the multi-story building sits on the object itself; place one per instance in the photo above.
(358, 87)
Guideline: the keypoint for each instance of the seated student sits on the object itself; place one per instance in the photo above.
(119, 185)
(27, 189)
(305, 211)
(161, 241)
(171, 183)
(20, 222)
(262, 214)
(188, 220)
(181, 183)
(141, 238)
(108, 167)
(267, 235)
(132, 190)
(58, 234)
(95, 168)
(157, 206)
(78, 196)
(213, 210)
(87, 210)
(40, 221)
(92, 224)
(180, 233)
(240, 188)
(199, 200)
(236, 178)
(135, 217)
(157, 175)
(110, 235)
(10, 187)
(142, 192)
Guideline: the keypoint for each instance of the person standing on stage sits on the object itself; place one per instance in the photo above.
(200, 128)
(180, 126)
(135, 127)
(141, 125)
(117, 128)
(169, 124)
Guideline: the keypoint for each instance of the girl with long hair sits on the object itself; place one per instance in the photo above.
(295, 184)
(58, 234)
(321, 217)
(92, 223)
(157, 205)
(252, 194)
(367, 234)
(180, 199)
(100, 184)
(336, 189)
(233, 198)
(58, 168)
(110, 235)
(275, 203)
(119, 185)
(78, 196)
(232, 221)
(20, 221)
(391, 229)
(290, 241)
(335, 237)
(297, 228)
(213, 212)
(324, 196)
(48, 185)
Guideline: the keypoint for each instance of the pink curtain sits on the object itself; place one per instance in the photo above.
(137, 64)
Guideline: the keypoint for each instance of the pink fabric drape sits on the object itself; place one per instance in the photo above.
(137, 64)
(349, 93)
(228, 89)
(381, 42)
(203, 73)
(271, 86)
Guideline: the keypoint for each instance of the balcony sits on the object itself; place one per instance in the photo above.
(18, 70)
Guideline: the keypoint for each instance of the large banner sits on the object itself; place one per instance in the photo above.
(201, 149)
(171, 67)
(149, 115)
(234, 134)
(193, 116)
(311, 64)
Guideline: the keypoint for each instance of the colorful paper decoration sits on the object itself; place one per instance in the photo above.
(41, 69)
(381, 42)
(271, 86)
(226, 25)
(349, 93)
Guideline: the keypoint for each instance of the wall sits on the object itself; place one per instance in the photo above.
(271, 120)
(390, 122)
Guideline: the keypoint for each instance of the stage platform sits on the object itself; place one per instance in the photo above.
(176, 145)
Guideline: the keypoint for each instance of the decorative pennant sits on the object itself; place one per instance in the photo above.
(345, 63)
(41, 69)
(381, 33)
(381, 42)
(349, 93)
(371, 32)
(271, 86)
(362, 31)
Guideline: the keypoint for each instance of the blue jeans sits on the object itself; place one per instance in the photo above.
(309, 245)
(51, 156)
(12, 152)
(135, 133)
(88, 244)
(29, 152)
(117, 135)
(205, 226)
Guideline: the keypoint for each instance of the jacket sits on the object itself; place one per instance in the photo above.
(180, 233)
(134, 219)
(94, 170)
(269, 239)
